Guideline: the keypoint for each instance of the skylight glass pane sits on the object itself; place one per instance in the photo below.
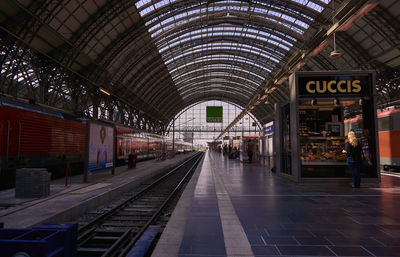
(141, 3)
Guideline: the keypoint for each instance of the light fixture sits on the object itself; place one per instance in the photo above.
(104, 91)
(335, 102)
(335, 53)
(313, 101)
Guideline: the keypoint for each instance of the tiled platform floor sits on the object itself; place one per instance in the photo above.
(238, 209)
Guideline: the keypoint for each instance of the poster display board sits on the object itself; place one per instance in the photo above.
(214, 114)
(100, 147)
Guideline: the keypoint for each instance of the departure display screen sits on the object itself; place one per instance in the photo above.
(214, 114)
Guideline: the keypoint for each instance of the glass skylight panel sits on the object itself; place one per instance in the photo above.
(303, 2)
(254, 51)
(161, 3)
(147, 10)
(217, 77)
(315, 6)
(311, 4)
(273, 39)
(303, 24)
(220, 57)
(180, 18)
(231, 67)
(140, 3)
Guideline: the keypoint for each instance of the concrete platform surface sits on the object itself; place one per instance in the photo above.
(67, 203)
(235, 209)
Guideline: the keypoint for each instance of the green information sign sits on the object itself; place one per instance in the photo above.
(214, 114)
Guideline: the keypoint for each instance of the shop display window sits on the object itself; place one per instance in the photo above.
(323, 126)
(321, 138)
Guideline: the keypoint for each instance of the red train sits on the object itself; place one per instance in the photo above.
(37, 136)
(144, 145)
(388, 135)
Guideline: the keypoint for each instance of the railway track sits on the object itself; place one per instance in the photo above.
(115, 232)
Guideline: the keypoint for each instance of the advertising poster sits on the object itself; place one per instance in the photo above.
(101, 143)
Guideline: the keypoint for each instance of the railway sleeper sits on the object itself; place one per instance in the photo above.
(152, 199)
(135, 213)
(121, 228)
(129, 218)
(100, 242)
(91, 251)
(144, 205)
(148, 209)
(124, 223)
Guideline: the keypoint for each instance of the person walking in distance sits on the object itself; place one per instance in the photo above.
(353, 151)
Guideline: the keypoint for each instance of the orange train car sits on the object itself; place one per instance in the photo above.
(35, 136)
(388, 136)
(38, 136)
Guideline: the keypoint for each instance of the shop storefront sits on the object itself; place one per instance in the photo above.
(266, 145)
(314, 124)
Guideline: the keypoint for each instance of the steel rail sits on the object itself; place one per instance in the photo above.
(91, 224)
(128, 238)
(155, 215)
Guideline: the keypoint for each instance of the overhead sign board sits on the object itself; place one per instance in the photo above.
(214, 114)
(268, 129)
(334, 84)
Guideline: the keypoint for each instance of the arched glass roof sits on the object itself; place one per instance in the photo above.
(225, 47)
(158, 57)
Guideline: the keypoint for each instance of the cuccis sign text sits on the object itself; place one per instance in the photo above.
(334, 85)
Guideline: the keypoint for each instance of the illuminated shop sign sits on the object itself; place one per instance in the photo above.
(334, 85)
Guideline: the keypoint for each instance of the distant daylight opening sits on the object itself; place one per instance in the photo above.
(202, 122)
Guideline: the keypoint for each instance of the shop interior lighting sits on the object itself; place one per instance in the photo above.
(104, 91)
(314, 102)
(336, 102)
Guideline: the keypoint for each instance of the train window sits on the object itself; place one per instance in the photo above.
(385, 123)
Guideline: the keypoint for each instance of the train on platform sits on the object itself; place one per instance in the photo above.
(388, 136)
(38, 136)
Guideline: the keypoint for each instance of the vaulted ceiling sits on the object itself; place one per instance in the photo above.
(162, 56)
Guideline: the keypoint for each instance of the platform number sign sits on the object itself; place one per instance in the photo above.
(214, 114)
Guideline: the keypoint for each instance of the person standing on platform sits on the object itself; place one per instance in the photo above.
(250, 151)
(225, 149)
(353, 151)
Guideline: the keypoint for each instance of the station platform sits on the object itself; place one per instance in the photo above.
(234, 209)
(68, 203)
